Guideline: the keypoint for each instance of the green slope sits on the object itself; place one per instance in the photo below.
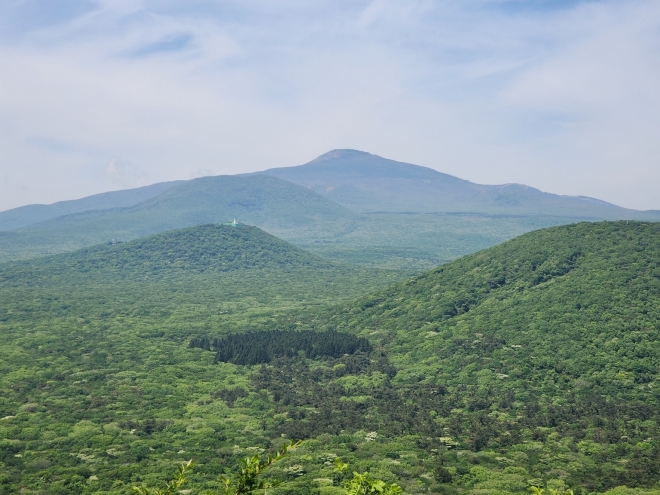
(77, 329)
(31, 214)
(541, 354)
(274, 204)
(194, 265)
(194, 250)
(369, 183)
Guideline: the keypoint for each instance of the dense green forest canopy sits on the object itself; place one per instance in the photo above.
(550, 338)
(531, 363)
(207, 248)
(98, 338)
(207, 272)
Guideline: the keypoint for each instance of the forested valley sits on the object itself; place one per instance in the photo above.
(533, 363)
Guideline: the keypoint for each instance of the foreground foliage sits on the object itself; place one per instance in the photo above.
(248, 479)
(171, 487)
(245, 482)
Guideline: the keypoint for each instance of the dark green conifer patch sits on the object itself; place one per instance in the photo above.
(262, 347)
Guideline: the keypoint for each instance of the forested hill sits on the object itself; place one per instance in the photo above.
(577, 303)
(206, 248)
(270, 203)
(100, 337)
(549, 342)
(533, 363)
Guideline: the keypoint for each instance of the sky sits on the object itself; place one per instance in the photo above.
(99, 95)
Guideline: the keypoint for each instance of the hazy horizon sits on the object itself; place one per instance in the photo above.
(148, 184)
(98, 95)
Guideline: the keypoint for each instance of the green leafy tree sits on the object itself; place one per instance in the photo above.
(363, 484)
(245, 482)
(171, 487)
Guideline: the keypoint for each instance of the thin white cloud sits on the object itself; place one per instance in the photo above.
(123, 173)
(562, 98)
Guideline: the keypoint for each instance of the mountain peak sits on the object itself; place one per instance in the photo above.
(369, 183)
(341, 154)
(342, 165)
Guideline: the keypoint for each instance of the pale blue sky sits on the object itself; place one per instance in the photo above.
(106, 94)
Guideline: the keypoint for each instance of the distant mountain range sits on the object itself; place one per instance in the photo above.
(346, 205)
(271, 203)
(31, 214)
(370, 184)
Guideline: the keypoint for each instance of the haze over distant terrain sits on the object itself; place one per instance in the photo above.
(372, 184)
(346, 205)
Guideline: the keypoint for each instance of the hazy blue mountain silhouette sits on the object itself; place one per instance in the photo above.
(31, 214)
(345, 205)
(267, 202)
(369, 183)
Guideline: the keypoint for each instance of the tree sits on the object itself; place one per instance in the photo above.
(537, 490)
(363, 484)
(172, 486)
(245, 482)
